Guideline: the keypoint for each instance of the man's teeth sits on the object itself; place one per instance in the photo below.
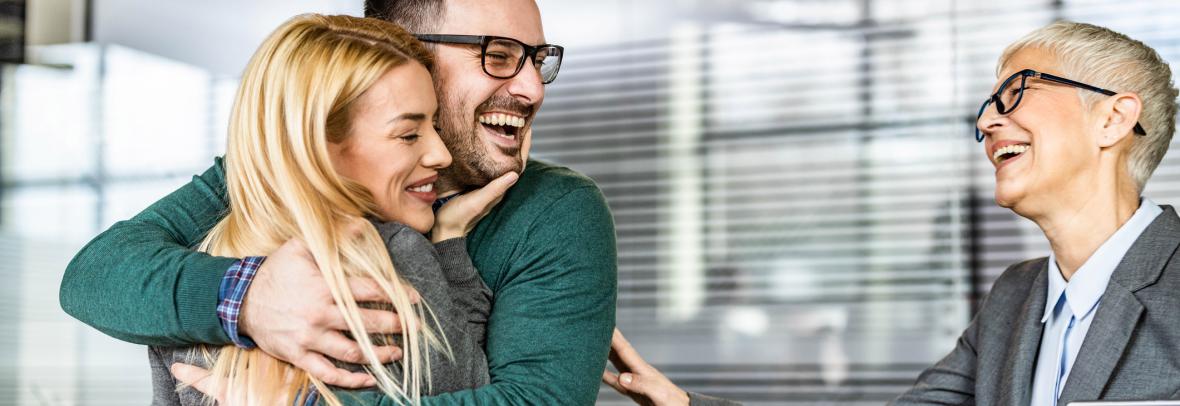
(502, 119)
(1016, 149)
(427, 188)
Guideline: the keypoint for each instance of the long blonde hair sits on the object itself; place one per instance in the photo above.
(295, 97)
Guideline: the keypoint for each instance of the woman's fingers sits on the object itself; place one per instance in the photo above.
(459, 216)
(196, 377)
(500, 185)
(483, 199)
(612, 380)
(624, 356)
(639, 380)
(619, 382)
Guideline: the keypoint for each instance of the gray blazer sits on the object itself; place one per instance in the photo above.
(1132, 351)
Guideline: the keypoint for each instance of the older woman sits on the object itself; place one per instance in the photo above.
(1080, 117)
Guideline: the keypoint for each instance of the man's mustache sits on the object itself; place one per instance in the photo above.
(505, 104)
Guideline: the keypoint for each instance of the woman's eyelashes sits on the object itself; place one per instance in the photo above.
(409, 138)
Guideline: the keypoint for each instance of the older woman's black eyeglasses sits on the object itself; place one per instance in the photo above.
(1008, 97)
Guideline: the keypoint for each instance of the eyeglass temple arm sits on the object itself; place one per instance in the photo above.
(453, 39)
(1138, 127)
(1062, 80)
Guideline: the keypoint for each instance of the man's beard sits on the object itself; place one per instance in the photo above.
(472, 164)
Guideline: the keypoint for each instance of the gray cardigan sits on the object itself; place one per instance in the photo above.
(448, 282)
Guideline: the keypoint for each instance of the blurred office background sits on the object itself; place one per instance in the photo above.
(803, 215)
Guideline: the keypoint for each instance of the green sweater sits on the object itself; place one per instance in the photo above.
(547, 251)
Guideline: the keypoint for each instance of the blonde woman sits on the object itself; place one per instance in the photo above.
(334, 123)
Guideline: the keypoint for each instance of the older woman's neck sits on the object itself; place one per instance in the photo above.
(1078, 225)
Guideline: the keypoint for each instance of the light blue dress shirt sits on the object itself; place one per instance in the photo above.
(1071, 305)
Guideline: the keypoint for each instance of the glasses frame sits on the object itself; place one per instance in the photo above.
(1024, 75)
(530, 52)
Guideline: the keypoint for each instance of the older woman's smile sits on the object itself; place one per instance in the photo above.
(1005, 152)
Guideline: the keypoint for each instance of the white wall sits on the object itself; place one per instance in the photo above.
(219, 35)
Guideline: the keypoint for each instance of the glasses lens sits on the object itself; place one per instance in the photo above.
(548, 63)
(502, 58)
(1010, 94)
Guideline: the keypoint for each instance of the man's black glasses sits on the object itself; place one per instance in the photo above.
(1006, 98)
(503, 57)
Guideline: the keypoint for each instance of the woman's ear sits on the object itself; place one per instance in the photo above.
(1119, 114)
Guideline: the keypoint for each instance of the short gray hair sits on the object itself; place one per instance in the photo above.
(1110, 60)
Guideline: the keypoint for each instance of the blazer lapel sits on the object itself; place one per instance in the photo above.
(1119, 312)
(1105, 342)
(1024, 344)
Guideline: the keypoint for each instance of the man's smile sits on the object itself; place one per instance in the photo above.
(503, 128)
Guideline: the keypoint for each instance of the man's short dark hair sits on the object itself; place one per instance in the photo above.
(416, 16)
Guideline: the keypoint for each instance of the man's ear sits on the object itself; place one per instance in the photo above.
(1118, 116)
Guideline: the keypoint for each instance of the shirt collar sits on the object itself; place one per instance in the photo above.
(1083, 291)
(1057, 286)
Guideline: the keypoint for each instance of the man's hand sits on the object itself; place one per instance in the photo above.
(456, 218)
(639, 380)
(289, 313)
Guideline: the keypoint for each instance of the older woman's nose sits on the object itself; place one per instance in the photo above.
(990, 121)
